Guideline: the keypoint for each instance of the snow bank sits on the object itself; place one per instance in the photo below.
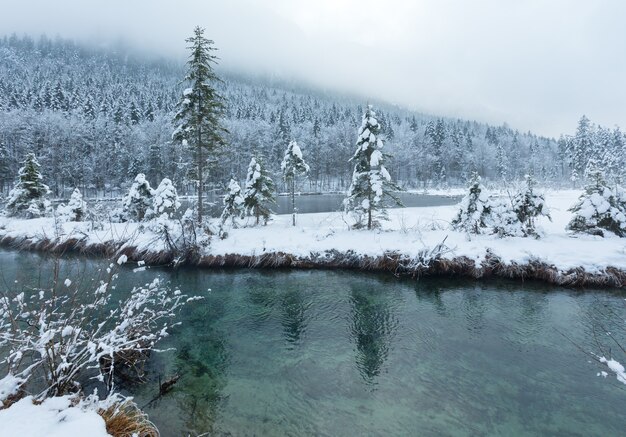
(54, 417)
(409, 232)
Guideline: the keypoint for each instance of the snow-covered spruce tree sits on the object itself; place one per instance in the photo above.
(27, 199)
(165, 201)
(138, 200)
(292, 166)
(75, 210)
(199, 110)
(528, 205)
(259, 192)
(371, 189)
(474, 210)
(599, 208)
(233, 203)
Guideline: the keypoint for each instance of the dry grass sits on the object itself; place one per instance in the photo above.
(127, 420)
(11, 399)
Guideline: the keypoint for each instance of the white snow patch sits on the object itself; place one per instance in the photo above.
(54, 417)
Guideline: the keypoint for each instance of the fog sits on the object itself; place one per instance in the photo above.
(535, 64)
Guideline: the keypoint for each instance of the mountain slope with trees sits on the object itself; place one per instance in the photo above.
(96, 117)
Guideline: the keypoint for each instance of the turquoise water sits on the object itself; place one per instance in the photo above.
(348, 353)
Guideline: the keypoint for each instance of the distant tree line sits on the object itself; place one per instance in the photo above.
(97, 117)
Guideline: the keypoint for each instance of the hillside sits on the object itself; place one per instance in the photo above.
(96, 117)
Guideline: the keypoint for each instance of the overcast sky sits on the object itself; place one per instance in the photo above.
(535, 64)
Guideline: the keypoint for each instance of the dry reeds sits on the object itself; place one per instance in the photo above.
(125, 419)
(398, 264)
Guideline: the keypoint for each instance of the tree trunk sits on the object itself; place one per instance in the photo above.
(200, 163)
(200, 178)
(293, 201)
(369, 209)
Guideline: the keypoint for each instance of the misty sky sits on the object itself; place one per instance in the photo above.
(537, 65)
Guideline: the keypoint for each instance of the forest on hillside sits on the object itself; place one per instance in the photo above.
(96, 117)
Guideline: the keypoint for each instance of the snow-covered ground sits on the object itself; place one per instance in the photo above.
(409, 231)
(54, 417)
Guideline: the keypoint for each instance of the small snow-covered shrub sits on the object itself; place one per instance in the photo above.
(52, 336)
(599, 208)
(27, 199)
(138, 200)
(528, 205)
(233, 203)
(75, 210)
(502, 219)
(474, 210)
(165, 201)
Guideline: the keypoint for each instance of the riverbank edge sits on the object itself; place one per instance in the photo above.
(396, 263)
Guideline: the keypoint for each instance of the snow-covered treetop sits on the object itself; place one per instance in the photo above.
(368, 135)
(165, 199)
(293, 163)
(233, 187)
(254, 172)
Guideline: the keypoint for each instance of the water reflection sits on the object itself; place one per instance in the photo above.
(371, 329)
(293, 318)
(202, 364)
(474, 309)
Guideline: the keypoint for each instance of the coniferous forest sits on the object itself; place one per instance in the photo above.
(96, 117)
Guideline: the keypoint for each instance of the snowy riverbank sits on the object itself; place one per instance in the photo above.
(323, 240)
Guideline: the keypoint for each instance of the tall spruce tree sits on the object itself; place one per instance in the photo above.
(371, 189)
(200, 110)
(292, 166)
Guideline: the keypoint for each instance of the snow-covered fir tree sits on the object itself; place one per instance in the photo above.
(165, 201)
(259, 192)
(75, 210)
(200, 109)
(599, 208)
(528, 205)
(138, 200)
(474, 210)
(28, 197)
(292, 166)
(371, 189)
(233, 203)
